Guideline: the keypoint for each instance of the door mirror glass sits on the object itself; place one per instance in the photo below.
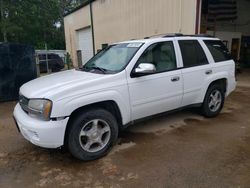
(145, 68)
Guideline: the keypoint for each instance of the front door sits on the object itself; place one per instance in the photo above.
(159, 92)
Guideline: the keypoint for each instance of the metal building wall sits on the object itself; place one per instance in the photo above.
(118, 20)
(78, 20)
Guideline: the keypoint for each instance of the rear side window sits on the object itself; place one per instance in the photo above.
(192, 53)
(218, 50)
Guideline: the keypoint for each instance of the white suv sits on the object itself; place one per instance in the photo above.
(85, 109)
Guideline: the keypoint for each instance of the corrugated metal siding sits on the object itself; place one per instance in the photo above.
(118, 20)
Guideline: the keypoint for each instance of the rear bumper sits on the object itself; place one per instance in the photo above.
(47, 134)
(231, 87)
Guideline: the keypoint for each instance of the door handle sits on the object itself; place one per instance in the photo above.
(175, 79)
(209, 72)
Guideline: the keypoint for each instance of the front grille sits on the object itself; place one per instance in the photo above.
(23, 101)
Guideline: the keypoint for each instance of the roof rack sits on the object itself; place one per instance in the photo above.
(173, 35)
(165, 35)
(200, 35)
(178, 35)
(153, 36)
(181, 35)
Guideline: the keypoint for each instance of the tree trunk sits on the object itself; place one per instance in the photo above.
(3, 28)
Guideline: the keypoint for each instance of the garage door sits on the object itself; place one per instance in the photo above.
(85, 45)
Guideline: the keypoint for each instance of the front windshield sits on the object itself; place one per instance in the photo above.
(113, 59)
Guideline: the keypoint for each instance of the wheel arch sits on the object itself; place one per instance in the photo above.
(223, 82)
(109, 105)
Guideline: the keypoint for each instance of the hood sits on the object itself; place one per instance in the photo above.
(48, 85)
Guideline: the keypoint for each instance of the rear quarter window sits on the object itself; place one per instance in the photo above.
(218, 50)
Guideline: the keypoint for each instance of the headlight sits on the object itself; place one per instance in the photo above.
(40, 108)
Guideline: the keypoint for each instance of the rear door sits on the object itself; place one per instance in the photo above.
(196, 70)
(223, 62)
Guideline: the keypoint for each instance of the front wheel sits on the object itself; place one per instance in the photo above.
(92, 134)
(214, 101)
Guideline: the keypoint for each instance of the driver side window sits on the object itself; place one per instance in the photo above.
(161, 55)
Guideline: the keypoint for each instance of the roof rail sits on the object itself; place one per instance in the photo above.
(164, 35)
(200, 35)
(173, 35)
(181, 35)
(178, 35)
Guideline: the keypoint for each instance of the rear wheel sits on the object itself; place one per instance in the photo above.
(214, 101)
(92, 134)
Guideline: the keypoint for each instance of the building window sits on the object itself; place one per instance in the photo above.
(105, 45)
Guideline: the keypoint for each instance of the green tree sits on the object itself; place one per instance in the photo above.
(34, 22)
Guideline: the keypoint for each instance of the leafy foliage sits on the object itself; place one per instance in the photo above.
(34, 22)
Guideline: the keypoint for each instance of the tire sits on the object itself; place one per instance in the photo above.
(94, 142)
(212, 110)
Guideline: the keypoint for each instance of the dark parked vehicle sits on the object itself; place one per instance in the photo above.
(17, 66)
(55, 62)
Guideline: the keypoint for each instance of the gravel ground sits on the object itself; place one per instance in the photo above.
(182, 149)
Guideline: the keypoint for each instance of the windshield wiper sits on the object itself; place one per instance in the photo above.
(103, 70)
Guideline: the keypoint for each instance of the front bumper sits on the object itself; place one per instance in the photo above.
(47, 134)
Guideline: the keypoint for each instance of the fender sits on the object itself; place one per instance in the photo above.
(72, 104)
(212, 78)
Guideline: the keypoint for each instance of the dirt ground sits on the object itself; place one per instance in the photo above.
(182, 149)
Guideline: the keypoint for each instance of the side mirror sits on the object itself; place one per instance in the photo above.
(144, 68)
